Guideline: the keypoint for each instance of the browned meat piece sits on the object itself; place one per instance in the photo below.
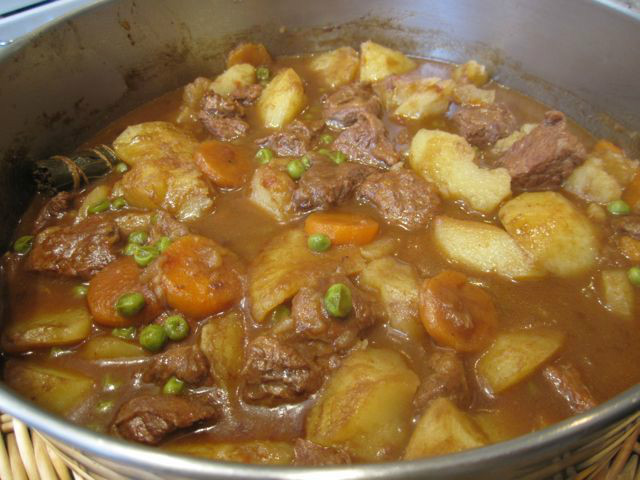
(629, 225)
(341, 108)
(567, 382)
(222, 117)
(484, 125)
(401, 196)
(447, 378)
(276, 372)
(158, 224)
(292, 141)
(76, 250)
(247, 96)
(187, 363)
(54, 209)
(326, 184)
(366, 142)
(544, 158)
(311, 454)
(149, 418)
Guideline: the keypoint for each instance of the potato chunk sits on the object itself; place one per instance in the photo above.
(272, 190)
(55, 389)
(337, 67)
(222, 341)
(546, 224)
(418, 98)
(443, 429)
(483, 248)
(397, 284)
(106, 347)
(514, 356)
(378, 62)
(470, 94)
(366, 406)
(471, 72)
(255, 54)
(592, 183)
(282, 99)
(286, 264)
(263, 452)
(617, 295)
(233, 78)
(447, 160)
(45, 329)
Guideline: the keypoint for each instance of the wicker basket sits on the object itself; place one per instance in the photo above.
(26, 454)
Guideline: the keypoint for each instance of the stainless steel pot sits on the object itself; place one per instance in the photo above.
(62, 84)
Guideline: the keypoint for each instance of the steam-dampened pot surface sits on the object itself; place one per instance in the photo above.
(571, 305)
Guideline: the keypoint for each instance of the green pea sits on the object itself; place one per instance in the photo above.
(318, 242)
(176, 327)
(130, 249)
(105, 406)
(110, 384)
(80, 291)
(295, 168)
(130, 304)
(174, 386)
(118, 203)
(125, 333)
(619, 207)
(139, 237)
(263, 74)
(634, 276)
(121, 167)
(337, 300)
(163, 243)
(145, 255)
(153, 337)
(99, 207)
(264, 156)
(326, 139)
(280, 313)
(23, 244)
(339, 157)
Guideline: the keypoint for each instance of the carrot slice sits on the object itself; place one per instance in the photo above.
(342, 228)
(199, 276)
(119, 277)
(457, 313)
(631, 194)
(226, 165)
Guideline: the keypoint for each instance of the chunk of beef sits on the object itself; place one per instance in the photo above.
(341, 108)
(54, 209)
(446, 378)
(187, 363)
(366, 142)
(222, 117)
(326, 184)
(150, 418)
(567, 383)
(401, 196)
(544, 158)
(484, 125)
(311, 454)
(292, 141)
(628, 225)
(75, 250)
(247, 95)
(275, 372)
(158, 224)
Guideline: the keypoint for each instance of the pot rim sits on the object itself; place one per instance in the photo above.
(537, 444)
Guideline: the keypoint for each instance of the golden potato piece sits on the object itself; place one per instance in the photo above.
(471, 72)
(95, 196)
(447, 160)
(514, 356)
(443, 429)
(547, 225)
(617, 293)
(592, 183)
(55, 389)
(470, 94)
(262, 452)
(286, 264)
(337, 67)
(255, 54)
(222, 341)
(282, 99)
(233, 78)
(483, 248)
(418, 98)
(272, 190)
(378, 62)
(107, 347)
(366, 405)
(191, 100)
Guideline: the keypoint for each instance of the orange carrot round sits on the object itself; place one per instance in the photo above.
(199, 276)
(113, 281)
(226, 165)
(342, 228)
(457, 313)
